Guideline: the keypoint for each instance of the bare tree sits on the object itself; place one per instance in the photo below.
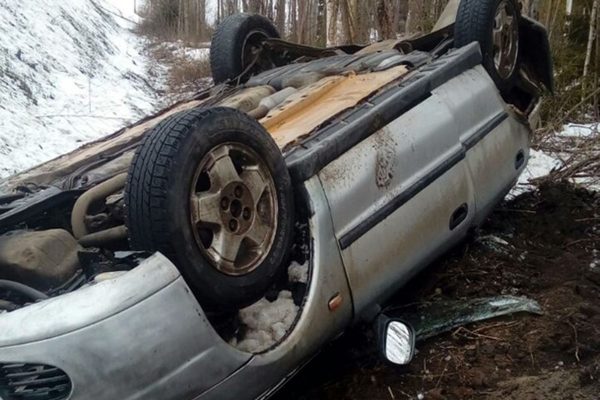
(387, 18)
(321, 31)
(591, 38)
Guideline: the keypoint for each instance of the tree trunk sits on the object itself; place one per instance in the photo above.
(293, 24)
(333, 12)
(387, 18)
(591, 38)
(321, 39)
(280, 16)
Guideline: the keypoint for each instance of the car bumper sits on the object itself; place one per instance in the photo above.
(140, 336)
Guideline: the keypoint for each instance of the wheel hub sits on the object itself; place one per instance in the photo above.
(237, 208)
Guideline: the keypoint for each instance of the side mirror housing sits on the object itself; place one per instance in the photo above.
(396, 340)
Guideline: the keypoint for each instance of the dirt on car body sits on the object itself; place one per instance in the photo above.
(543, 245)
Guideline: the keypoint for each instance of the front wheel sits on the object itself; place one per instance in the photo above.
(211, 191)
(494, 24)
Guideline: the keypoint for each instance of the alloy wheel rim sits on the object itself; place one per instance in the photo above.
(233, 209)
(505, 39)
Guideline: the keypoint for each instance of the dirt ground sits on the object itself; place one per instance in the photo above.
(544, 245)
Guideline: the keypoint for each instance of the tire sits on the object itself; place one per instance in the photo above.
(475, 22)
(232, 43)
(187, 157)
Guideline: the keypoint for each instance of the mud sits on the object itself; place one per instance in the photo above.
(544, 245)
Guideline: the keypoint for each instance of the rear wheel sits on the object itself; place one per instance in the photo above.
(210, 190)
(237, 50)
(495, 25)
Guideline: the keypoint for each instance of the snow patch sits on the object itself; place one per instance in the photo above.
(70, 72)
(124, 8)
(180, 50)
(267, 323)
(580, 130)
(298, 273)
(540, 165)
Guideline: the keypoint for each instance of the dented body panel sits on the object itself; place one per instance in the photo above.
(424, 180)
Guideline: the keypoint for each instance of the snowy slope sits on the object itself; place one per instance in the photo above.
(70, 72)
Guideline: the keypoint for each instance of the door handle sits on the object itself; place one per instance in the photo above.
(519, 159)
(459, 216)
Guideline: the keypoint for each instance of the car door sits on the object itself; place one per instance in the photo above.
(398, 199)
(496, 142)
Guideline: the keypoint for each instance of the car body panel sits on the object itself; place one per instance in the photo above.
(493, 134)
(160, 329)
(372, 198)
(317, 325)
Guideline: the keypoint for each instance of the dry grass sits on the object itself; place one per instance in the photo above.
(185, 75)
(580, 155)
(187, 72)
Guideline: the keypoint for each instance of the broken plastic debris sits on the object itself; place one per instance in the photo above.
(432, 319)
(491, 239)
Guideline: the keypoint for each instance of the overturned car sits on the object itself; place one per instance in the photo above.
(209, 251)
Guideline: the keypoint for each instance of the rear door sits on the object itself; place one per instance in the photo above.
(496, 143)
(399, 198)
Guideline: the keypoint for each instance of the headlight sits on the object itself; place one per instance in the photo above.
(33, 381)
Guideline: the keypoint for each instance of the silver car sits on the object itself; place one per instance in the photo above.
(209, 251)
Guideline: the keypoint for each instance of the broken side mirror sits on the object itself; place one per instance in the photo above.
(396, 340)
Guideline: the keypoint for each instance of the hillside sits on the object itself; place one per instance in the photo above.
(70, 72)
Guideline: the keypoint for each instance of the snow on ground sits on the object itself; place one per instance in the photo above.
(581, 130)
(180, 50)
(124, 8)
(540, 164)
(70, 72)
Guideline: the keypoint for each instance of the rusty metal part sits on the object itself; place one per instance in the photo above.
(98, 239)
(236, 216)
(99, 192)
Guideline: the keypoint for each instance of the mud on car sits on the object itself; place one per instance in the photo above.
(210, 250)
